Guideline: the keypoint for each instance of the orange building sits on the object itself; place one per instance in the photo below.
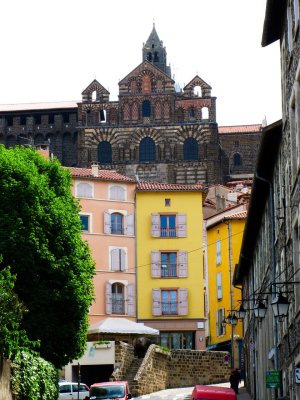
(107, 215)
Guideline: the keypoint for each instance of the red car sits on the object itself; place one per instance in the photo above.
(203, 392)
(110, 390)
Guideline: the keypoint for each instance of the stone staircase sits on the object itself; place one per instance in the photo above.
(129, 377)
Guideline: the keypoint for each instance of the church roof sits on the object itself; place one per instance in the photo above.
(240, 129)
(153, 39)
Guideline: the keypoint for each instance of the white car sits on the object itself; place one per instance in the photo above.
(69, 390)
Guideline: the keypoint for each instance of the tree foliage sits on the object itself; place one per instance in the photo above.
(40, 239)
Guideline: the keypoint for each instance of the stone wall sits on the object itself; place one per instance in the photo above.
(124, 355)
(180, 368)
(5, 392)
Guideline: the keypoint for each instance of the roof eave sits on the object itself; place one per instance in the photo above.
(274, 21)
(267, 156)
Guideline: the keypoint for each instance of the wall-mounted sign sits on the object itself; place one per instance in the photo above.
(273, 379)
(297, 376)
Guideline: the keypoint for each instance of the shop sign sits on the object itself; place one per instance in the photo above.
(273, 379)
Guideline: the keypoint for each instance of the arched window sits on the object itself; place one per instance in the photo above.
(116, 222)
(146, 108)
(190, 149)
(117, 293)
(117, 193)
(147, 149)
(84, 190)
(237, 160)
(104, 152)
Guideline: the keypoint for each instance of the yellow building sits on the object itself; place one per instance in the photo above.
(170, 294)
(224, 238)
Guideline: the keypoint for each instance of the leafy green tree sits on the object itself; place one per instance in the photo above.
(40, 239)
(12, 338)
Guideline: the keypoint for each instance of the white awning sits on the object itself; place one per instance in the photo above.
(122, 326)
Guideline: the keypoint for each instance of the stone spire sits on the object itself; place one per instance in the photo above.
(155, 52)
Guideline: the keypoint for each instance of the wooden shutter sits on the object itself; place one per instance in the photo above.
(181, 225)
(155, 264)
(131, 299)
(182, 302)
(219, 285)
(107, 222)
(115, 259)
(182, 264)
(155, 225)
(156, 302)
(217, 323)
(129, 228)
(84, 190)
(122, 259)
(108, 298)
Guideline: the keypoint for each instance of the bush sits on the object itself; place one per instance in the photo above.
(33, 378)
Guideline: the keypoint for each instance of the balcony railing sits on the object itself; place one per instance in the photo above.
(118, 307)
(167, 232)
(169, 308)
(169, 271)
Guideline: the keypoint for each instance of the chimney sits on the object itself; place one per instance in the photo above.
(220, 202)
(95, 170)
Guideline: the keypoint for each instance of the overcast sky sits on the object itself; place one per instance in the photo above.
(52, 49)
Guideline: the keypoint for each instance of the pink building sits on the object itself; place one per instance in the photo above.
(107, 216)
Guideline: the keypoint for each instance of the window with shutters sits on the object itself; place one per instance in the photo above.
(118, 223)
(218, 250)
(168, 225)
(169, 264)
(118, 259)
(120, 298)
(169, 302)
(219, 286)
(220, 316)
(84, 190)
(117, 193)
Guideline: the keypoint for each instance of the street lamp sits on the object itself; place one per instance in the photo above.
(280, 306)
(241, 312)
(260, 310)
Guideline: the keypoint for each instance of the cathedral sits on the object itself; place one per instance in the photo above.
(155, 131)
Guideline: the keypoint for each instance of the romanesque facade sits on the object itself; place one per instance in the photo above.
(155, 131)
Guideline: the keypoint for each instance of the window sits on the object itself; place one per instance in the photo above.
(104, 152)
(85, 222)
(218, 248)
(115, 222)
(177, 340)
(169, 264)
(118, 259)
(168, 225)
(237, 160)
(219, 286)
(169, 302)
(191, 112)
(147, 149)
(117, 193)
(167, 202)
(220, 316)
(190, 149)
(146, 108)
(120, 299)
(84, 190)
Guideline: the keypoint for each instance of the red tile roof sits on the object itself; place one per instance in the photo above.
(170, 187)
(240, 129)
(238, 215)
(103, 174)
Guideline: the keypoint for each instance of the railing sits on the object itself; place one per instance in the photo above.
(118, 307)
(167, 232)
(169, 308)
(169, 271)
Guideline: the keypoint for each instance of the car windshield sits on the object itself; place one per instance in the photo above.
(107, 392)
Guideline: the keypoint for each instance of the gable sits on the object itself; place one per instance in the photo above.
(95, 86)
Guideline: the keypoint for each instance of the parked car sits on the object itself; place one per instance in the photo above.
(203, 392)
(69, 390)
(110, 390)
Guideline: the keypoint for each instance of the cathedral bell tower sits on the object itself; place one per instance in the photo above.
(155, 52)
